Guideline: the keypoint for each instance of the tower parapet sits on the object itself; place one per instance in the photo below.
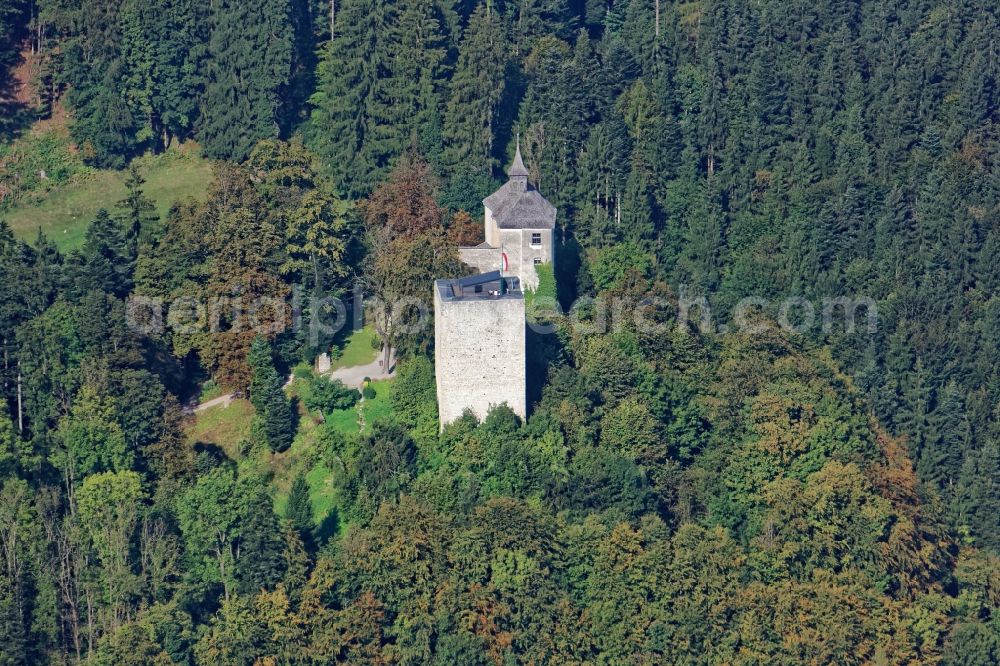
(479, 346)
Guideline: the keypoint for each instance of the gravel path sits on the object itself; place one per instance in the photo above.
(223, 400)
(355, 377)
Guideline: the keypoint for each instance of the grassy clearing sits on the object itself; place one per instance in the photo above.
(358, 350)
(306, 452)
(378, 408)
(299, 388)
(64, 213)
(322, 492)
(344, 421)
(225, 427)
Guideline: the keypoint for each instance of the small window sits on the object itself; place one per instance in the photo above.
(479, 288)
(536, 239)
(538, 260)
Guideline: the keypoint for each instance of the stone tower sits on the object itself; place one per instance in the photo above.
(479, 324)
(520, 229)
(479, 345)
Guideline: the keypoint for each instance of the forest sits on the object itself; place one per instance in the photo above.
(678, 494)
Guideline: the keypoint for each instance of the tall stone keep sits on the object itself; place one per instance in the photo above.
(520, 229)
(479, 345)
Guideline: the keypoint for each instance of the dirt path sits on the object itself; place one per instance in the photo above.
(222, 400)
(355, 377)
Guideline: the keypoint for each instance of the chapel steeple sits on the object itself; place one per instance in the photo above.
(518, 172)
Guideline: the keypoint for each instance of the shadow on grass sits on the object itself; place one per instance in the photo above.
(208, 456)
(328, 528)
(15, 118)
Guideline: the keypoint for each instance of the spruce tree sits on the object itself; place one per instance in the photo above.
(380, 89)
(104, 124)
(178, 33)
(274, 412)
(949, 435)
(136, 212)
(109, 260)
(638, 214)
(977, 499)
(299, 509)
(407, 97)
(95, 75)
(700, 259)
(531, 19)
(554, 117)
(478, 87)
(345, 74)
(137, 83)
(247, 70)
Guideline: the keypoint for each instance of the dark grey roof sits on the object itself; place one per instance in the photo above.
(515, 207)
(466, 289)
(517, 168)
(482, 278)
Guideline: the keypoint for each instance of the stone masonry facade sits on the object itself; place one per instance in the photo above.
(479, 329)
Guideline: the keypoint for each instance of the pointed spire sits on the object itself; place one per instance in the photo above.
(517, 169)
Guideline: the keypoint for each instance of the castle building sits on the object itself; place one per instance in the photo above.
(479, 321)
(520, 229)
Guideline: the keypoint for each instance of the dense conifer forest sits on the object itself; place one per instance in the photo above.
(690, 492)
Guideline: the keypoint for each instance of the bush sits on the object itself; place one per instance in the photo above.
(326, 395)
(23, 163)
(333, 447)
(415, 395)
(547, 288)
(614, 263)
(369, 392)
(209, 390)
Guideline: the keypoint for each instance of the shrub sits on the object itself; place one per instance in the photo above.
(547, 288)
(612, 264)
(209, 390)
(23, 163)
(326, 395)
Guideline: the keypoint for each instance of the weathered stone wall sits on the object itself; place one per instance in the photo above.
(492, 233)
(521, 254)
(483, 259)
(479, 355)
